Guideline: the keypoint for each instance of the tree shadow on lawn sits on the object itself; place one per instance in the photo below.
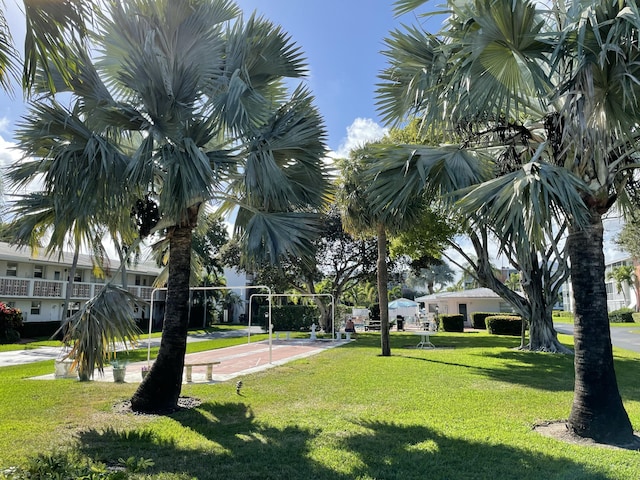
(393, 451)
(231, 445)
(544, 371)
(235, 445)
(539, 371)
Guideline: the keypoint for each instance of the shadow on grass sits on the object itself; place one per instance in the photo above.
(232, 444)
(389, 450)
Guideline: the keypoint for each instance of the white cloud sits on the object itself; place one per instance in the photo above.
(8, 151)
(359, 133)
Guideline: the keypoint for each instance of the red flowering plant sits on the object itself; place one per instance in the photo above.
(10, 323)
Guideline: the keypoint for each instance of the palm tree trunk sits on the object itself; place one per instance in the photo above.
(161, 388)
(597, 411)
(383, 299)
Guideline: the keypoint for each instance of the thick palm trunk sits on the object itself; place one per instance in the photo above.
(161, 388)
(597, 411)
(383, 298)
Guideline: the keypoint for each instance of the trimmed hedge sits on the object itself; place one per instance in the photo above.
(504, 325)
(622, 315)
(289, 318)
(451, 322)
(478, 319)
(43, 329)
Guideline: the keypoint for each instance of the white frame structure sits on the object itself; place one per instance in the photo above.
(333, 308)
(244, 287)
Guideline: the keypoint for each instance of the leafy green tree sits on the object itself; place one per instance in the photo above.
(550, 94)
(513, 282)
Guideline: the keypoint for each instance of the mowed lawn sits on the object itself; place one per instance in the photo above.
(462, 411)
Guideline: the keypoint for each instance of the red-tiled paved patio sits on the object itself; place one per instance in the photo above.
(234, 361)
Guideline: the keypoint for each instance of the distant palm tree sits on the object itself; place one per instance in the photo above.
(621, 275)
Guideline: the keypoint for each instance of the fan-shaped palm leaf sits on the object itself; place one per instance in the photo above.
(102, 326)
(525, 204)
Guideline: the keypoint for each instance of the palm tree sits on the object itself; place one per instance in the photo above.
(359, 219)
(551, 96)
(196, 97)
(621, 275)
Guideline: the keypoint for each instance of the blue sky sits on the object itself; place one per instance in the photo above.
(341, 40)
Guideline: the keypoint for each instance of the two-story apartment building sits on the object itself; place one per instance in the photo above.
(37, 284)
(626, 297)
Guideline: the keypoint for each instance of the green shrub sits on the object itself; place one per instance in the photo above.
(622, 315)
(68, 465)
(451, 323)
(636, 317)
(561, 313)
(10, 323)
(478, 319)
(504, 325)
(289, 318)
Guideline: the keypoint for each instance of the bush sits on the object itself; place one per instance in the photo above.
(504, 325)
(451, 323)
(48, 329)
(622, 315)
(478, 319)
(289, 318)
(561, 313)
(65, 465)
(10, 323)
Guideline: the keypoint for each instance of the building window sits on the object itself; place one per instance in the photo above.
(138, 280)
(77, 277)
(38, 271)
(35, 308)
(56, 275)
(12, 269)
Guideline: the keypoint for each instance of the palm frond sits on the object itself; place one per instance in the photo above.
(525, 205)
(284, 160)
(269, 237)
(399, 174)
(9, 57)
(102, 325)
(55, 32)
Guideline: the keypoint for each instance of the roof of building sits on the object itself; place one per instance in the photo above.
(472, 293)
(23, 254)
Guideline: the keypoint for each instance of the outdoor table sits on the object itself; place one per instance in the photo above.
(424, 339)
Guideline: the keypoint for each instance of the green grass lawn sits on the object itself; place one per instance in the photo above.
(461, 412)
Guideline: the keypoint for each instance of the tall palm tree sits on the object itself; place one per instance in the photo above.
(196, 97)
(550, 95)
(359, 219)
